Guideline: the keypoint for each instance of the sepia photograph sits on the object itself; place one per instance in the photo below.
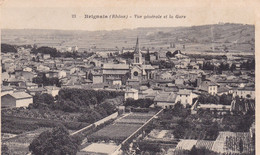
(128, 78)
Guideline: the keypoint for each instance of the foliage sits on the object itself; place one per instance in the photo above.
(169, 54)
(208, 66)
(248, 65)
(46, 50)
(127, 55)
(179, 130)
(6, 48)
(74, 100)
(211, 99)
(201, 151)
(241, 146)
(56, 142)
(42, 100)
(18, 125)
(5, 150)
(150, 147)
(180, 111)
(163, 64)
(41, 79)
(142, 103)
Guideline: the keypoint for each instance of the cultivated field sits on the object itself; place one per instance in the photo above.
(228, 142)
(19, 144)
(121, 128)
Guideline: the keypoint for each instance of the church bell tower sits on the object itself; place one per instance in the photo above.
(137, 54)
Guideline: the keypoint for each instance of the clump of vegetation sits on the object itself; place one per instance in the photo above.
(58, 141)
(141, 103)
(6, 48)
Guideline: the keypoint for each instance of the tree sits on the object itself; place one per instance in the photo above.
(43, 100)
(4, 150)
(194, 151)
(6, 48)
(232, 67)
(56, 142)
(241, 146)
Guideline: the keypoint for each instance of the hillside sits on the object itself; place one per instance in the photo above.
(235, 37)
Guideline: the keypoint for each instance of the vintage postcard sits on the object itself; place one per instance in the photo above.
(117, 77)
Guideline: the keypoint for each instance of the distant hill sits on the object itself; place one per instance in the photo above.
(235, 37)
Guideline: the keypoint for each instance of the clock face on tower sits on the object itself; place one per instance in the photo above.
(135, 73)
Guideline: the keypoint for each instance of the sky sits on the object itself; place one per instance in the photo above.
(58, 15)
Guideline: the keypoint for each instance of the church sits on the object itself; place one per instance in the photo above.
(138, 69)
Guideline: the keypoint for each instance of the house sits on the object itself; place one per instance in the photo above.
(97, 78)
(209, 86)
(245, 92)
(30, 85)
(165, 100)
(223, 90)
(34, 91)
(114, 81)
(6, 90)
(148, 93)
(5, 76)
(185, 96)
(24, 75)
(17, 99)
(131, 93)
(52, 90)
(217, 107)
(27, 69)
(46, 56)
(52, 74)
(132, 82)
(114, 71)
(61, 74)
(43, 68)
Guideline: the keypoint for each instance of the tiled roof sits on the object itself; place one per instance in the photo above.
(6, 88)
(184, 92)
(116, 66)
(20, 95)
(165, 97)
(120, 72)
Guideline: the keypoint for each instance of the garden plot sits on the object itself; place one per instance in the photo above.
(233, 142)
(121, 128)
(19, 144)
(161, 135)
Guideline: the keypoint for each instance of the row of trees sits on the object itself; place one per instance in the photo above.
(6, 48)
(169, 54)
(211, 99)
(55, 53)
(78, 100)
(41, 79)
(142, 103)
(46, 50)
(163, 64)
(248, 65)
(74, 100)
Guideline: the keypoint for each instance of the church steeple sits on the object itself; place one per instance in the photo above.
(137, 49)
(137, 54)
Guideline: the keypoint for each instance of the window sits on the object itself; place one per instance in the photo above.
(137, 60)
(135, 73)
